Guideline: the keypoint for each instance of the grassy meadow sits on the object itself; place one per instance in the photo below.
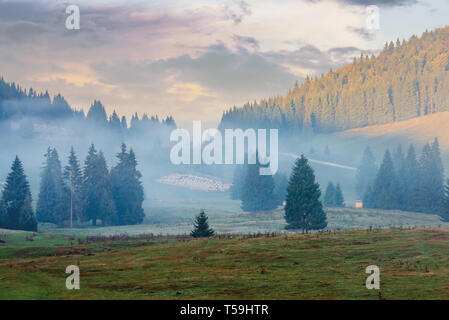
(411, 250)
(327, 265)
(270, 221)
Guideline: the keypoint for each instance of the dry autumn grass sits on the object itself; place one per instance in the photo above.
(328, 265)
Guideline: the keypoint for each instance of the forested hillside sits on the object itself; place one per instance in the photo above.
(409, 78)
(15, 103)
(26, 107)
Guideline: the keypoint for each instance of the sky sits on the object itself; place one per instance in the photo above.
(193, 59)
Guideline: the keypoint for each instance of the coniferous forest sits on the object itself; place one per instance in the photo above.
(405, 181)
(73, 195)
(17, 104)
(408, 78)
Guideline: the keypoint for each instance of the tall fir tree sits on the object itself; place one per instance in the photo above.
(398, 158)
(437, 191)
(53, 201)
(89, 186)
(127, 188)
(444, 211)
(366, 173)
(410, 175)
(97, 189)
(425, 163)
(201, 227)
(329, 195)
(431, 179)
(368, 197)
(16, 211)
(339, 199)
(107, 209)
(238, 181)
(384, 192)
(73, 179)
(258, 190)
(96, 116)
(399, 166)
(114, 123)
(304, 209)
(47, 192)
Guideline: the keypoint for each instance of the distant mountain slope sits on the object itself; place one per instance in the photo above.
(18, 105)
(407, 79)
(418, 130)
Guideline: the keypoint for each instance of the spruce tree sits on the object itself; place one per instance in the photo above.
(399, 166)
(431, 179)
(53, 201)
(47, 195)
(258, 190)
(398, 158)
(96, 116)
(425, 163)
(368, 197)
(89, 186)
(73, 179)
(124, 124)
(384, 193)
(97, 189)
(238, 181)
(201, 226)
(411, 177)
(127, 188)
(339, 199)
(114, 123)
(329, 195)
(444, 211)
(366, 173)
(304, 209)
(437, 191)
(107, 209)
(16, 212)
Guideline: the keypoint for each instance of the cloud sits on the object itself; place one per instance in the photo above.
(382, 3)
(32, 11)
(309, 60)
(217, 68)
(23, 31)
(363, 32)
(101, 25)
(188, 92)
(194, 87)
(237, 10)
(245, 42)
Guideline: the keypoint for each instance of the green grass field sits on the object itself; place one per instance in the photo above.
(271, 221)
(414, 264)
